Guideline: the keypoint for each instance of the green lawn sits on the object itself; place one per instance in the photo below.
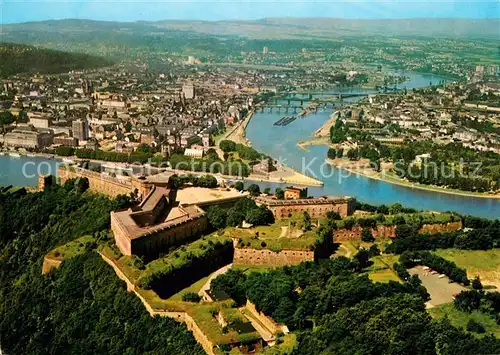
(71, 249)
(381, 270)
(203, 315)
(460, 319)
(247, 269)
(284, 234)
(384, 275)
(484, 263)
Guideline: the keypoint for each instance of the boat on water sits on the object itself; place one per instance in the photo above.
(285, 121)
(15, 155)
(31, 155)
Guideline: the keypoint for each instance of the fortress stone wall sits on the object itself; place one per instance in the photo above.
(157, 240)
(248, 256)
(268, 322)
(440, 228)
(344, 234)
(198, 334)
(316, 207)
(103, 184)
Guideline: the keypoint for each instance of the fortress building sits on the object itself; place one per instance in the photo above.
(316, 207)
(166, 218)
(156, 224)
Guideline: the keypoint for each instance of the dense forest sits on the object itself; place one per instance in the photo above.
(82, 307)
(336, 310)
(18, 58)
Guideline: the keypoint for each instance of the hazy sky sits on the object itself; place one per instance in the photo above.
(128, 10)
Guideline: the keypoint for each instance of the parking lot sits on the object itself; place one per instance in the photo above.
(440, 289)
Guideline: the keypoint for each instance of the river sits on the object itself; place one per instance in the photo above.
(24, 171)
(281, 143)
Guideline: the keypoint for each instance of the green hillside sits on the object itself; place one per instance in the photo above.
(19, 58)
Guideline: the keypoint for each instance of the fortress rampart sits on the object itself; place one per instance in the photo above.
(248, 256)
(344, 234)
(103, 184)
(316, 207)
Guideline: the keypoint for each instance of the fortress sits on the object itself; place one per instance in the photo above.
(316, 207)
(107, 185)
(156, 224)
(167, 217)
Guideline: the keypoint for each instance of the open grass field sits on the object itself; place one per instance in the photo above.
(482, 263)
(381, 270)
(71, 249)
(283, 234)
(460, 319)
(247, 269)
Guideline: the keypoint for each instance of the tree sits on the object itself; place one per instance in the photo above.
(476, 283)
(235, 217)
(65, 151)
(395, 208)
(474, 326)
(227, 146)
(332, 215)
(366, 235)
(233, 284)
(332, 153)
(306, 222)
(279, 193)
(23, 117)
(340, 153)
(383, 209)
(338, 132)
(267, 190)
(217, 217)
(144, 148)
(191, 297)
(128, 127)
(353, 154)
(238, 185)
(362, 259)
(259, 216)
(254, 190)
(6, 118)
(207, 181)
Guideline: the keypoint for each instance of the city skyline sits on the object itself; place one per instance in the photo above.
(128, 11)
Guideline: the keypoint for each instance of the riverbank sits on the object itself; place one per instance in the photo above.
(284, 174)
(365, 171)
(315, 141)
(324, 130)
(237, 133)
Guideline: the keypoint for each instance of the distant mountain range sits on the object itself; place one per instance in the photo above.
(277, 28)
(19, 58)
(223, 39)
(268, 28)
